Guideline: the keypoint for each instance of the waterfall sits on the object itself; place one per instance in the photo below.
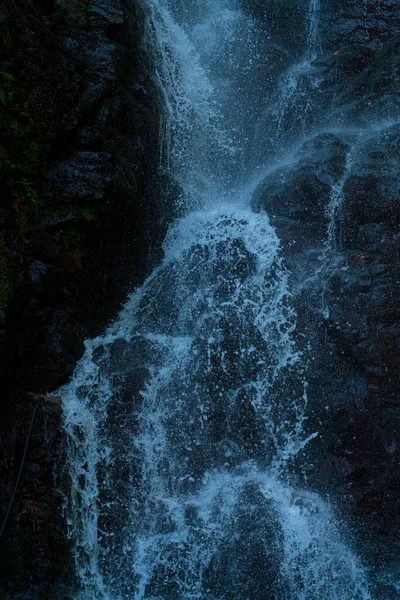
(191, 131)
(295, 110)
(313, 43)
(186, 419)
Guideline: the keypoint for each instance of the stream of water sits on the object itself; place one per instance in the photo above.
(185, 419)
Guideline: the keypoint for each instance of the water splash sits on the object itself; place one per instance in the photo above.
(333, 239)
(242, 521)
(183, 419)
(190, 127)
(212, 328)
(313, 41)
(295, 106)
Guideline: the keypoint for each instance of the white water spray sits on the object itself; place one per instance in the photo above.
(182, 420)
(294, 104)
(313, 42)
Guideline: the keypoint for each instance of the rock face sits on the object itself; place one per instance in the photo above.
(296, 195)
(372, 22)
(249, 560)
(34, 551)
(336, 208)
(79, 226)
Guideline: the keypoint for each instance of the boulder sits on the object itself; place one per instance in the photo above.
(247, 562)
(296, 196)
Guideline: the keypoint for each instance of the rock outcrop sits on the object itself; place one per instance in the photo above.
(336, 208)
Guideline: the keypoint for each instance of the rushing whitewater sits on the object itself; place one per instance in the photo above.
(185, 420)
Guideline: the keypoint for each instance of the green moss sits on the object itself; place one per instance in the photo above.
(5, 283)
(94, 23)
(87, 213)
(6, 83)
(70, 239)
(24, 224)
(31, 157)
(32, 194)
(17, 129)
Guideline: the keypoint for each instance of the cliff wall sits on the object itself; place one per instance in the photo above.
(84, 206)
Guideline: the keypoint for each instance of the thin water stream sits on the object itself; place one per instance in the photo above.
(184, 421)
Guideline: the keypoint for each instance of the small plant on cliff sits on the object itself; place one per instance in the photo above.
(70, 239)
(6, 83)
(94, 22)
(32, 194)
(5, 284)
(87, 213)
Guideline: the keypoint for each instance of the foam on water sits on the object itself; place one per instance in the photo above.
(313, 42)
(315, 563)
(226, 345)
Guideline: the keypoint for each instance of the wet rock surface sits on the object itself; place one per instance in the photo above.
(372, 21)
(296, 195)
(350, 307)
(34, 552)
(251, 562)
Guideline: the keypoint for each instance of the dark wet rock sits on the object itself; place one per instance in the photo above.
(352, 320)
(37, 271)
(36, 531)
(345, 66)
(349, 308)
(371, 214)
(285, 24)
(80, 179)
(296, 196)
(354, 78)
(373, 21)
(59, 218)
(370, 93)
(353, 381)
(122, 356)
(248, 559)
(111, 13)
(370, 217)
(62, 348)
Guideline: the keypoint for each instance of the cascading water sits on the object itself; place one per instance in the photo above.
(185, 420)
(313, 43)
(295, 111)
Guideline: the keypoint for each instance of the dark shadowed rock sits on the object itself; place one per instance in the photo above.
(296, 196)
(349, 307)
(36, 531)
(248, 560)
(79, 179)
(79, 225)
(371, 194)
(372, 21)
